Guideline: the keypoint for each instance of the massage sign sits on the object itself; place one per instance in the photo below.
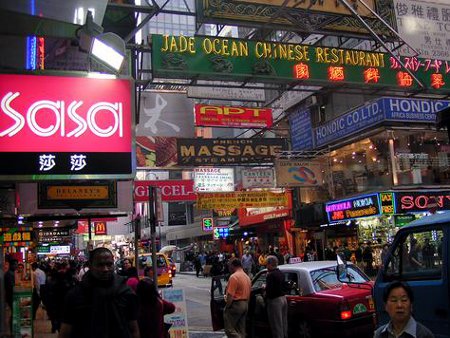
(65, 127)
(363, 206)
(227, 59)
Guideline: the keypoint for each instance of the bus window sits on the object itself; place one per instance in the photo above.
(417, 256)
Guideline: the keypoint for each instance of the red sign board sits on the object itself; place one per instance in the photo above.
(238, 117)
(100, 228)
(171, 190)
(61, 117)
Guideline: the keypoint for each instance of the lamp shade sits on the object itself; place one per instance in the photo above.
(109, 49)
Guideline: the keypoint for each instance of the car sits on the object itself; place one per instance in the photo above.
(319, 305)
(173, 266)
(164, 270)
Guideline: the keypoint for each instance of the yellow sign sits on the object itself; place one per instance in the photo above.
(241, 199)
(81, 192)
(329, 6)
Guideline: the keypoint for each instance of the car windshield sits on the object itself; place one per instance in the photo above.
(325, 279)
(147, 261)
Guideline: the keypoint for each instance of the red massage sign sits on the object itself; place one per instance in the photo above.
(238, 117)
(64, 127)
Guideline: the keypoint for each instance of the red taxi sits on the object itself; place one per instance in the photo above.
(319, 304)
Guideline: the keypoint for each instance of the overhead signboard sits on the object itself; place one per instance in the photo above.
(77, 194)
(301, 130)
(228, 151)
(376, 112)
(241, 199)
(320, 16)
(263, 61)
(207, 224)
(171, 190)
(425, 26)
(361, 206)
(54, 127)
(156, 151)
(221, 232)
(258, 178)
(421, 201)
(60, 249)
(223, 91)
(213, 179)
(100, 228)
(237, 117)
(292, 173)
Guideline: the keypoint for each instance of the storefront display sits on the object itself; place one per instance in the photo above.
(22, 323)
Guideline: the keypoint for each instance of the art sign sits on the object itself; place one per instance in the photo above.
(237, 117)
(54, 127)
(362, 206)
(266, 61)
(291, 173)
(228, 151)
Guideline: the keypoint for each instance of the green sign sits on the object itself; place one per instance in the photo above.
(402, 220)
(213, 58)
(43, 249)
(359, 308)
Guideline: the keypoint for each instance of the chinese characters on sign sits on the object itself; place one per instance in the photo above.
(213, 179)
(241, 199)
(258, 178)
(48, 161)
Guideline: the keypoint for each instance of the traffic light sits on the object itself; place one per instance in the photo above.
(207, 224)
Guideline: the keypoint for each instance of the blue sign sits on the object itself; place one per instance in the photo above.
(350, 123)
(301, 130)
(376, 112)
(357, 207)
(412, 110)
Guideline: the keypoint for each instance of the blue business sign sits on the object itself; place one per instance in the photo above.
(361, 206)
(301, 130)
(376, 112)
(350, 123)
(412, 110)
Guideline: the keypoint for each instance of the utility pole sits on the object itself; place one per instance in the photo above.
(152, 221)
(137, 237)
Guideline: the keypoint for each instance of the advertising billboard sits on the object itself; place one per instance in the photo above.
(237, 117)
(213, 179)
(209, 58)
(258, 178)
(361, 206)
(241, 199)
(421, 201)
(171, 190)
(228, 151)
(54, 127)
(301, 130)
(291, 173)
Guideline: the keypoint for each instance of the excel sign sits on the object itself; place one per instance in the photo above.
(54, 127)
(213, 58)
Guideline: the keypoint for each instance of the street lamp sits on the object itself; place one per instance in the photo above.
(106, 48)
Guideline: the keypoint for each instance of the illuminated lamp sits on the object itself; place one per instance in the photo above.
(301, 71)
(371, 75)
(437, 81)
(404, 79)
(336, 73)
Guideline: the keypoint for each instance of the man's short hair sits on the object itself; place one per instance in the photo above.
(34, 265)
(272, 260)
(397, 284)
(236, 262)
(98, 251)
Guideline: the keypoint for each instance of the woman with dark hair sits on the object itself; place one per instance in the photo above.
(152, 309)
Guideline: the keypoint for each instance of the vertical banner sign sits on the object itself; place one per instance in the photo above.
(100, 228)
(301, 130)
(178, 319)
(387, 203)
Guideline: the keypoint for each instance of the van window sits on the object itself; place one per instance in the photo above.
(417, 256)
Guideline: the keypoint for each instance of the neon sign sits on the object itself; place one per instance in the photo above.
(363, 206)
(417, 201)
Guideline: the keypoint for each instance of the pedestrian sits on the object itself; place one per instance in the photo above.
(277, 308)
(247, 263)
(368, 259)
(39, 279)
(152, 309)
(384, 254)
(128, 270)
(398, 300)
(102, 305)
(428, 251)
(197, 265)
(237, 296)
(83, 271)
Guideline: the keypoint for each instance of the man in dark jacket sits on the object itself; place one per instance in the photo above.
(102, 305)
(277, 308)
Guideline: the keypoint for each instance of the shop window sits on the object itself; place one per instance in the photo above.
(417, 256)
(291, 283)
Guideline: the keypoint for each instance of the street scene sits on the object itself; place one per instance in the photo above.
(233, 168)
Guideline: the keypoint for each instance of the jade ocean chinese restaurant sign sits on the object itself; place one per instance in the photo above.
(228, 151)
(233, 59)
(55, 127)
(362, 206)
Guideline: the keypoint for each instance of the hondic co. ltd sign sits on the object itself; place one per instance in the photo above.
(63, 127)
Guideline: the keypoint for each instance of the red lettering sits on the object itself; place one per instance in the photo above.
(407, 202)
(337, 215)
(421, 201)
